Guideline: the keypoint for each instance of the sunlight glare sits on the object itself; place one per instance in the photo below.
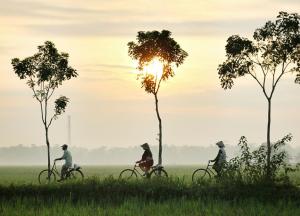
(154, 67)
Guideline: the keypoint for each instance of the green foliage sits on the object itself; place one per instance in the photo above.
(151, 45)
(60, 105)
(111, 196)
(251, 166)
(115, 190)
(47, 65)
(135, 206)
(276, 44)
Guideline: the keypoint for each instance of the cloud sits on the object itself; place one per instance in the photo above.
(41, 10)
(104, 72)
(126, 17)
(106, 68)
(190, 28)
(112, 66)
(5, 49)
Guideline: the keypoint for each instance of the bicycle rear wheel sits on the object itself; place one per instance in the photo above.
(200, 175)
(127, 174)
(76, 175)
(44, 179)
(158, 173)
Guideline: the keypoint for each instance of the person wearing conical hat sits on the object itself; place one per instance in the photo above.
(147, 160)
(220, 160)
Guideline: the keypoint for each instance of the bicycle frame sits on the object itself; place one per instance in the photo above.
(54, 169)
(209, 170)
(136, 170)
(142, 174)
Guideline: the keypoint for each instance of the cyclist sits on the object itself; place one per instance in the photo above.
(147, 161)
(68, 161)
(220, 160)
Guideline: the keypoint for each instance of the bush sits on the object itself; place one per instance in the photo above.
(251, 167)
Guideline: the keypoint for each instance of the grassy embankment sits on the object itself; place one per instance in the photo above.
(109, 196)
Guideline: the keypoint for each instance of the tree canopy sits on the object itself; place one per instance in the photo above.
(275, 50)
(44, 72)
(151, 45)
(47, 66)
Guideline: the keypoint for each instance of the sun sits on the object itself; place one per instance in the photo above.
(154, 67)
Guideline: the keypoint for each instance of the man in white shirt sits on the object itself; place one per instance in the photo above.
(68, 161)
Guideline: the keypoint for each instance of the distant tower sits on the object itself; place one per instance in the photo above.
(69, 130)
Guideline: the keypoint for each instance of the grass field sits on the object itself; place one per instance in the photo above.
(27, 174)
(103, 194)
(176, 207)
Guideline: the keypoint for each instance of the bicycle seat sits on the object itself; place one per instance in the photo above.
(76, 167)
(69, 169)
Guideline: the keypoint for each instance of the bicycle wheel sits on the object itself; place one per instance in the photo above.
(127, 174)
(200, 175)
(44, 179)
(76, 175)
(158, 173)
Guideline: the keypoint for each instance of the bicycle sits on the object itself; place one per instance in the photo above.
(156, 171)
(73, 173)
(202, 174)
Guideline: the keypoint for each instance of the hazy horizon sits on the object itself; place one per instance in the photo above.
(107, 105)
(172, 155)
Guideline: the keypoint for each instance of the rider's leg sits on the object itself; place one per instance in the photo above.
(142, 167)
(64, 169)
(147, 168)
(217, 167)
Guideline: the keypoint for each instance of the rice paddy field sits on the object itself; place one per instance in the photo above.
(101, 193)
(27, 174)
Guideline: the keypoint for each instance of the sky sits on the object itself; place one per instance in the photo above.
(107, 106)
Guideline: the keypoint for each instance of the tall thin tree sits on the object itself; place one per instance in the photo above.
(44, 72)
(274, 52)
(153, 46)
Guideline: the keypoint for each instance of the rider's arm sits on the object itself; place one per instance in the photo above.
(61, 158)
(218, 156)
(143, 157)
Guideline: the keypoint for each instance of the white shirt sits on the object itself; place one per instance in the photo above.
(67, 157)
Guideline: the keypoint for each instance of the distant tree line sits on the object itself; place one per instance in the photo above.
(176, 155)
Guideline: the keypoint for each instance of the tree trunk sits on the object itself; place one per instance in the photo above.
(269, 141)
(160, 131)
(48, 151)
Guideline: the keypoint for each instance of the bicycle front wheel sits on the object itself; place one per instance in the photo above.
(127, 174)
(44, 178)
(158, 173)
(76, 175)
(200, 175)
